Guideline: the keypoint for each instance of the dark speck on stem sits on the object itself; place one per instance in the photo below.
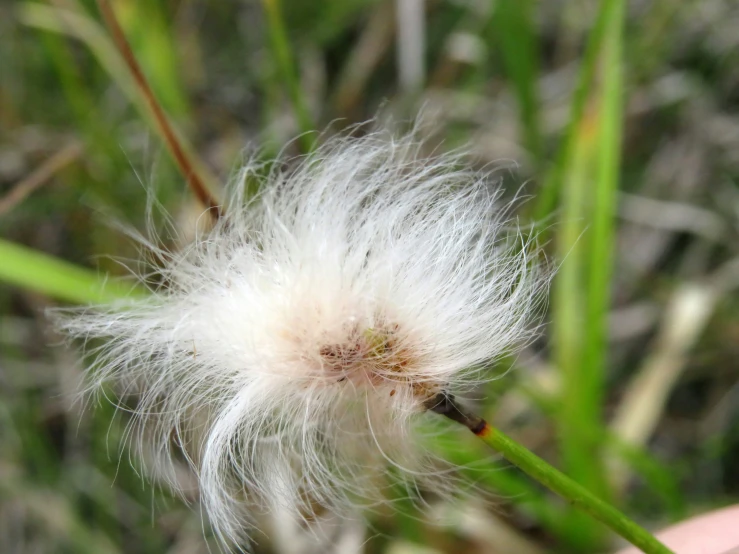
(445, 404)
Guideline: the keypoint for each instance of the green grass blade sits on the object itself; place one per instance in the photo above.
(83, 28)
(585, 243)
(575, 422)
(513, 23)
(286, 65)
(33, 270)
(550, 190)
(602, 225)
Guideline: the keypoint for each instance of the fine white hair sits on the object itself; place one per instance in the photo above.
(288, 352)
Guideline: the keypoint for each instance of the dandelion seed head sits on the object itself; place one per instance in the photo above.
(290, 349)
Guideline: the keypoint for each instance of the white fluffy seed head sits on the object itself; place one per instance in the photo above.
(289, 351)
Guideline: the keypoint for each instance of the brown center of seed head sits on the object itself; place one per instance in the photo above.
(379, 356)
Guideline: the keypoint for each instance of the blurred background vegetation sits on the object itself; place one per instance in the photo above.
(619, 120)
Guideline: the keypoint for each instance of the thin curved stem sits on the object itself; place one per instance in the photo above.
(173, 143)
(548, 476)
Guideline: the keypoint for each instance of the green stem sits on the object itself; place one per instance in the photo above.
(553, 479)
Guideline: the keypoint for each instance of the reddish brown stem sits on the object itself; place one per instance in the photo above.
(194, 180)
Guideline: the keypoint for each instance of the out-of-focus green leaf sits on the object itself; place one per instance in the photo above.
(39, 272)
